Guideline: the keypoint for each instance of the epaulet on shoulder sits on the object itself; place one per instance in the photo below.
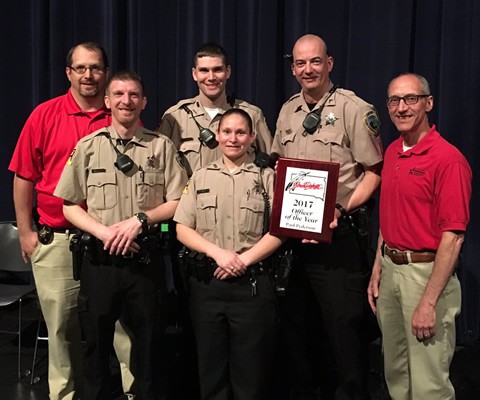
(246, 105)
(179, 105)
(100, 132)
(346, 92)
(151, 133)
(91, 136)
(295, 96)
(352, 96)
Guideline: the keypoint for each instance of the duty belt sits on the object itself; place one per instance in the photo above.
(406, 257)
(98, 255)
(203, 268)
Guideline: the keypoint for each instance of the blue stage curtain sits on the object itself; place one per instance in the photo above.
(371, 41)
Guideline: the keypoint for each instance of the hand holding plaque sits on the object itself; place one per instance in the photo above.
(304, 199)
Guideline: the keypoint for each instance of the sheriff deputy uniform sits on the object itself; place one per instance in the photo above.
(233, 319)
(134, 281)
(348, 134)
(179, 123)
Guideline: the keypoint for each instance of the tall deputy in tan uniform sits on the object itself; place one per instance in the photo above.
(221, 216)
(130, 181)
(326, 123)
(184, 121)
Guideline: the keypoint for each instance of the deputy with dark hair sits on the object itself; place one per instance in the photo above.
(183, 122)
(46, 141)
(221, 218)
(424, 212)
(327, 123)
(130, 180)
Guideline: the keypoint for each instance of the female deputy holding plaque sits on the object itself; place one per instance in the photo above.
(222, 218)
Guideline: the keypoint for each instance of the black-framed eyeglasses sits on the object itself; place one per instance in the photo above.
(94, 69)
(409, 99)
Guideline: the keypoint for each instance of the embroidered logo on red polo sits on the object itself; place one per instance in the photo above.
(416, 172)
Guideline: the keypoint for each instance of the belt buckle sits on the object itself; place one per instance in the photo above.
(45, 235)
(400, 256)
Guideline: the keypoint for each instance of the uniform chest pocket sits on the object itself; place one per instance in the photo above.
(330, 145)
(206, 211)
(150, 188)
(251, 216)
(102, 190)
(189, 146)
(288, 142)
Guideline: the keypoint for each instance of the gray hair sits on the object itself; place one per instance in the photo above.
(423, 82)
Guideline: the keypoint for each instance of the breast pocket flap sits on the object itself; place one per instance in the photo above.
(151, 178)
(207, 201)
(102, 179)
(330, 137)
(254, 205)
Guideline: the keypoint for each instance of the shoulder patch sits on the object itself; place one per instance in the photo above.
(182, 161)
(372, 122)
(185, 189)
(69, 161)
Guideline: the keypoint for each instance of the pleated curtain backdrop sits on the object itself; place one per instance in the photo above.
(371, 41)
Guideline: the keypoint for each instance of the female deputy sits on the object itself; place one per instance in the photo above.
(220, 218)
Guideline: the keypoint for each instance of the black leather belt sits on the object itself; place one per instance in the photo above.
(205, 272)
(406, 257)
(62, 230)
(45, 233)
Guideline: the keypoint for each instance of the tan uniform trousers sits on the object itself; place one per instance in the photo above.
(57, 292)
(416, 370)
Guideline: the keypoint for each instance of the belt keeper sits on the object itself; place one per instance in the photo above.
(408, 255)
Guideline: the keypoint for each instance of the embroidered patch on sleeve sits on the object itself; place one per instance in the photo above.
(69, 161)
(372, 122)
(185, 189)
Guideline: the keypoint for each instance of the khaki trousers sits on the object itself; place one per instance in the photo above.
(57, 292)
(413, 369)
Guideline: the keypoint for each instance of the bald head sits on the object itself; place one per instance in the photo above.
(311, 41)
(311, 66)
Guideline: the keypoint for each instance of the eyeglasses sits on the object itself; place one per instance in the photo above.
(409, 99)
(94, 69)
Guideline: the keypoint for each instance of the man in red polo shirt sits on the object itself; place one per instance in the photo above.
(45, 143)
(424, 212)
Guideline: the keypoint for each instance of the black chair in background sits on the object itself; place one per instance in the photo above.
(16, 279)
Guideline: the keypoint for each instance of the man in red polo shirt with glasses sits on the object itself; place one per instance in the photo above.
(45, 143)
(424, 212)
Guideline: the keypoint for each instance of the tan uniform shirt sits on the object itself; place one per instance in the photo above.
(179, 125)
(348, 135)
(226, 208)
(112, 196)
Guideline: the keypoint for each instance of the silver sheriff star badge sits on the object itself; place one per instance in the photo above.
(331, 118)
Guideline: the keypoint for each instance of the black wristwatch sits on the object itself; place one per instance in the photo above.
(343, 212)
(142, 217)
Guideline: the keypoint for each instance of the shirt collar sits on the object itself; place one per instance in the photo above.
(137, 139)
(247, 166)
(423, 145)
(199, 109)
(327, 95)
(72, 107)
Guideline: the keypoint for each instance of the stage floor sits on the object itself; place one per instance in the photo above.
(465, 369)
